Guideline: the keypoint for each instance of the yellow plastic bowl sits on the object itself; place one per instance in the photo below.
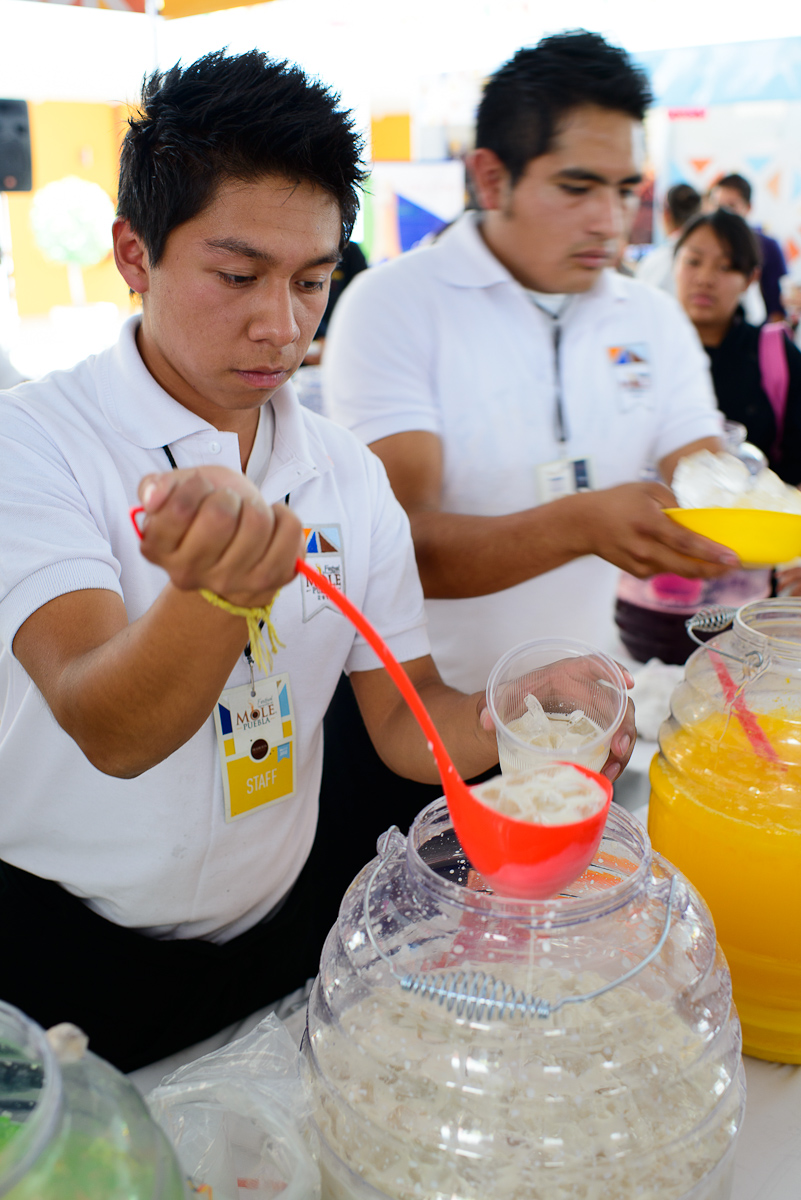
(758, 537)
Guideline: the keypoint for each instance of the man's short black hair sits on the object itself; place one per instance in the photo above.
(737, 183)
(527, 98)
(231, 117)
(682, 202)
(734, 234)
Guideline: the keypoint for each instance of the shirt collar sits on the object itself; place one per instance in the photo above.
(465, 260)
(299, 453)
(134, 404)
(138, 408)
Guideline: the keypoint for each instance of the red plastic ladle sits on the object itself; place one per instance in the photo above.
(448, 774)
(518, 858)
(751, 727)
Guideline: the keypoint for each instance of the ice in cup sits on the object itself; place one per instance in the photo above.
(555, 699)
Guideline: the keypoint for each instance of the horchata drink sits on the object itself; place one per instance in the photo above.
(555, 700)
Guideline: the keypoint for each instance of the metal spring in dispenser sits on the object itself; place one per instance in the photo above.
(476, 995)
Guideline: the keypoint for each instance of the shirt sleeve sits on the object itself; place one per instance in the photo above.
(688, 410)
(51, 542)
(378, 363)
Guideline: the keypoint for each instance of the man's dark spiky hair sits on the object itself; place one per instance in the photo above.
(231, 117)
(527, 98)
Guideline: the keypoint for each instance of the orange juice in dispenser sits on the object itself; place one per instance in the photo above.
(726, 810)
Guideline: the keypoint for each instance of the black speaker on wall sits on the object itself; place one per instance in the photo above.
(15, 147)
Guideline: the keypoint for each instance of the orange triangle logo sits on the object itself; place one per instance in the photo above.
(700, 164)
(773, 184)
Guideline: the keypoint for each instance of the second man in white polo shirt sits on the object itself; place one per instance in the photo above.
(515, 386)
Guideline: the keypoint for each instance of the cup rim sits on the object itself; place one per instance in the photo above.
(578, 649)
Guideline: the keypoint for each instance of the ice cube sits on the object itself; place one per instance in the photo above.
(530, 731)
(580, 725)
(707, 480)
(556, 796)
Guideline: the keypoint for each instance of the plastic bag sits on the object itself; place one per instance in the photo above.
(236, 1119)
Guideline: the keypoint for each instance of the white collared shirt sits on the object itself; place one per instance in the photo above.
(155, 852)
(443, 339)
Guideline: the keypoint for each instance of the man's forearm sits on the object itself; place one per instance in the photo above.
(135, 697)
(402, 745)
(504, 550)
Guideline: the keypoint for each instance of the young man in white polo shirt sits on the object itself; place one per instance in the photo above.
(515, 386)
(163, 867)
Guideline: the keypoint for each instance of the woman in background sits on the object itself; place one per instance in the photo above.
(717, 258)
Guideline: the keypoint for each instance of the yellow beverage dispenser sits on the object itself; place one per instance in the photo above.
(726, 807)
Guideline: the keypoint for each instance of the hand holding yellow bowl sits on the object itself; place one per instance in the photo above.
(759, 537)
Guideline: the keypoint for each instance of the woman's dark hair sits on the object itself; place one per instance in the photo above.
(682, 202)
(231, 117)
(737, 183)
(734, 235)
(525, 100)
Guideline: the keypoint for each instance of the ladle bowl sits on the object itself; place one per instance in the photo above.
(525, 858)
(518, 858)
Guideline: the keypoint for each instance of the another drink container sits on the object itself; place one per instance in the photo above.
(726, 809)
(75, 1129)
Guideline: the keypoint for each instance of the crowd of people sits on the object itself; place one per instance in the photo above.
(177, 831)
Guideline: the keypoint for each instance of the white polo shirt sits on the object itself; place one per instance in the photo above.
(443, 339)
(155, 852)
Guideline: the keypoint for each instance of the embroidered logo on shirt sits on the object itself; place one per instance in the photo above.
(323, 551)
(631, 369)
(631, 366)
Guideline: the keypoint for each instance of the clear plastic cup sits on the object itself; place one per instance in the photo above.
(565, 675)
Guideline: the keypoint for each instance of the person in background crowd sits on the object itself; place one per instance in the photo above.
(681, 203)
(349, 266)
(717, 258)
(166, 865)
(734, 192)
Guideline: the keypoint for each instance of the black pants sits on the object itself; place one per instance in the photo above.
(140, 999)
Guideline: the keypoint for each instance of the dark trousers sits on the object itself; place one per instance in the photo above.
(140, 999)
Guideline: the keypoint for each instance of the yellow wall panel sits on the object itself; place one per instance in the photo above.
(66, 139)
(189, 8)
(391, 138)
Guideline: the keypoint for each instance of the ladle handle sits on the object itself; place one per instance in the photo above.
(731, 694)
(396, 671)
